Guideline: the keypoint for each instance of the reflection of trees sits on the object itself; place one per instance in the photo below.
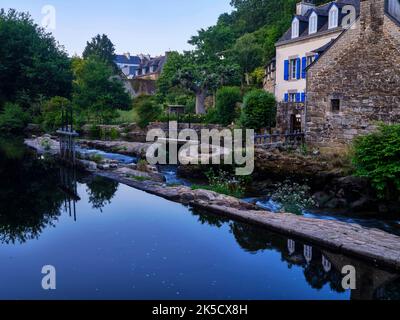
(205, 217)
(29, 199)
(101, 191)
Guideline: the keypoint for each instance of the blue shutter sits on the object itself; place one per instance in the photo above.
(286, 70)
(304, 66)
(298, 68)
(298, 97)
(303, 97)
(286, 98)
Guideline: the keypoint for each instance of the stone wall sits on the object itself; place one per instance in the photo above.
(362, 71)
(285, 111)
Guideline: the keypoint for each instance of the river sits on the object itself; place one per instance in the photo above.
(110, 241)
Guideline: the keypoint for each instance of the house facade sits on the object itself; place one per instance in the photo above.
(140, 66)
(356, 82)
(313, 28)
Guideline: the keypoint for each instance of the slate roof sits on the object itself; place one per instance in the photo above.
(323, 12)
(122, 59)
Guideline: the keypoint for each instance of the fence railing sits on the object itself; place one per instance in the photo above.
(279, 138)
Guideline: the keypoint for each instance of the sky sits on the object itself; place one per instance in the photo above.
(135, 26)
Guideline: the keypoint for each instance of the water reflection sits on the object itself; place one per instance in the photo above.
(35, 194)
(34, 191)
(320, 267)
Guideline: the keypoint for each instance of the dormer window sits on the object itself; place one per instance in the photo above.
(333, 17)
(313, 23)
(295, 28)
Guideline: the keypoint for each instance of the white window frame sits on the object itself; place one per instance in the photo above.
(293, 69)
(313, 23)
(295, 28)
(333, 17)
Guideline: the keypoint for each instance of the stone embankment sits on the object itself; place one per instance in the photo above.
(372, 245)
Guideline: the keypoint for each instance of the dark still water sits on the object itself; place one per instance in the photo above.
(109, 241)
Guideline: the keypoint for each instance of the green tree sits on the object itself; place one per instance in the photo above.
(259, 110)
(248, 54)
(13, 118)
(147, 110)
(102, 47)
(377, 157)
(226, 106)
(32, 64)
(52, 111)
(97, 93)
(199, 74)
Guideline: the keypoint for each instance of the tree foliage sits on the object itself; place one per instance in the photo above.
(226, 106)
(102, 47)
(259, 110)
(97, 93)
(147, 110)
(13, 118)
(32, 64)
(377, 157)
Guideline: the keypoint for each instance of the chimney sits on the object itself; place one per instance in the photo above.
(127, 55)
(303, 6)
(372, 14)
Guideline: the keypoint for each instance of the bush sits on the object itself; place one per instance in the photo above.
(13, 118)
(224, 183)
(293, 197)
(147, 110)
(227, 99)
(377, 157)
(259, 110)
(51, 113)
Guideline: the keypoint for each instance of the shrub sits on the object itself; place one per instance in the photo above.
(147, 110)
(227, 99)
(142, 165)
(293, 197)
(377, 157)
(259, 110)
(51, 112)
(224, 183)
(13, 118)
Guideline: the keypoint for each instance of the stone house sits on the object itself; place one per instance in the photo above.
(355, 83)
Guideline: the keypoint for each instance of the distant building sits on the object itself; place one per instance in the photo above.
(127, 63)
(140, 66)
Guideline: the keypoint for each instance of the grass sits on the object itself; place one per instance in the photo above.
(129, 116)
(139, 178)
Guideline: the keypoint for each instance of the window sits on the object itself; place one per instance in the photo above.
(335, 105)
(333, 17)
(313, 23)
(310, 59)
(292, 97)
(293, 69)
(295, 28)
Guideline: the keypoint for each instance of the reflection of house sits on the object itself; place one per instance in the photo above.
(334, 82)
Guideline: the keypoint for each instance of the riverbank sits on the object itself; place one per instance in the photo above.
(372, 245)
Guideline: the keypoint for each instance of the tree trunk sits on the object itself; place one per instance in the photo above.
(200, 102)
(247, 76)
